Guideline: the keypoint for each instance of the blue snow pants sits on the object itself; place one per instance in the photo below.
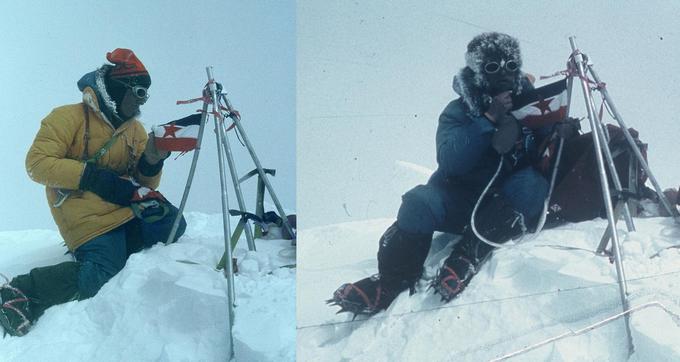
(104, 256)
(437, 206)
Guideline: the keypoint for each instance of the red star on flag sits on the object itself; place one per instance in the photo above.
(170, 130)
(543, 105)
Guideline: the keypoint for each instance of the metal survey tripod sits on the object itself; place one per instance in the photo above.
(221, 110)
(580, 65)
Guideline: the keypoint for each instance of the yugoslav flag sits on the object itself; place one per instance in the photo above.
(180, 135)
(542, 106)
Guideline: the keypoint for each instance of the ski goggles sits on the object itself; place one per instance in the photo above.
(137, 90)
(140, 92)
(494, 67)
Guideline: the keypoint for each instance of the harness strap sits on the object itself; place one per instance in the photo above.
(86, 134)
(97, 155)
(102, 151)
(63, 194)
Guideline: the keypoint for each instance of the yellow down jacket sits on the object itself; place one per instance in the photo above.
(55, 160)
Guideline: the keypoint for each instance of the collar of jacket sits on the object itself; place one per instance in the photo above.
(97, 98)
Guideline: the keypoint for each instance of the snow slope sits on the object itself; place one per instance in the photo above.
(167, 304)
(521, 296)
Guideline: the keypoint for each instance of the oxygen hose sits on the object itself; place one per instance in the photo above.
(479, 201)
(546, 202)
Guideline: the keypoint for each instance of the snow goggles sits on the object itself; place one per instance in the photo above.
(140, 92)
(494, 67)
(137, 90)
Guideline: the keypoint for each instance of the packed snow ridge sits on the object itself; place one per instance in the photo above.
(167, 304)
(523, 295)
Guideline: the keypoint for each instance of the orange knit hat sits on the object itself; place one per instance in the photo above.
(126, 64)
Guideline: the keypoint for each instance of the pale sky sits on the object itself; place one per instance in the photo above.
(47, 46)
(373, 77)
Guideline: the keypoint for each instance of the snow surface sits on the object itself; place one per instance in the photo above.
(521, 296)
(167, 304)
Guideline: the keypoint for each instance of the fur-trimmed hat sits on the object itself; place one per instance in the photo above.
(471, 82)
(491, 46)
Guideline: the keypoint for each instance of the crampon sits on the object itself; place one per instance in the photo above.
(453, 277)
(365, 297)
(15, 314)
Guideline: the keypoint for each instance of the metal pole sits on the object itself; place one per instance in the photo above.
(237, 187)
(570, 84)
(604, 135)
(558, 158)
(589, 328)
(613, 173)
(256, 160)
(604, 142)
(605, 93)
(190, 178)
(633, 176)
(229, 272)
(623, 288)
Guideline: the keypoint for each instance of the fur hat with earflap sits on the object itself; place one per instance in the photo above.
(473, 83)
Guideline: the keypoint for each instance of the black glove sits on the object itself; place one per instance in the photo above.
(107, 185)
(568, 128)
(499, 106)
(507, 133)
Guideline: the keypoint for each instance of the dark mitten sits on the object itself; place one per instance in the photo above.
(107, 185)
(568, 128)
(507, 133)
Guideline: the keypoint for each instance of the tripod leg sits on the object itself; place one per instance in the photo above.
(623, 287)
(664, 200)
(263, 175)
(604, 142)
(259, 205)
(190, 178)
(237, 187)
(608, 233)
(234, 240)
(633, 186)
(229, 268)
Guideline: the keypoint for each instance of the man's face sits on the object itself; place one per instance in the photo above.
(500, 73)
(129, 105)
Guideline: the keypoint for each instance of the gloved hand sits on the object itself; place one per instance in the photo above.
(107, 185)
(152, 154)
(568, 127)
(507, 133)
(499, 106)
(149, 205)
